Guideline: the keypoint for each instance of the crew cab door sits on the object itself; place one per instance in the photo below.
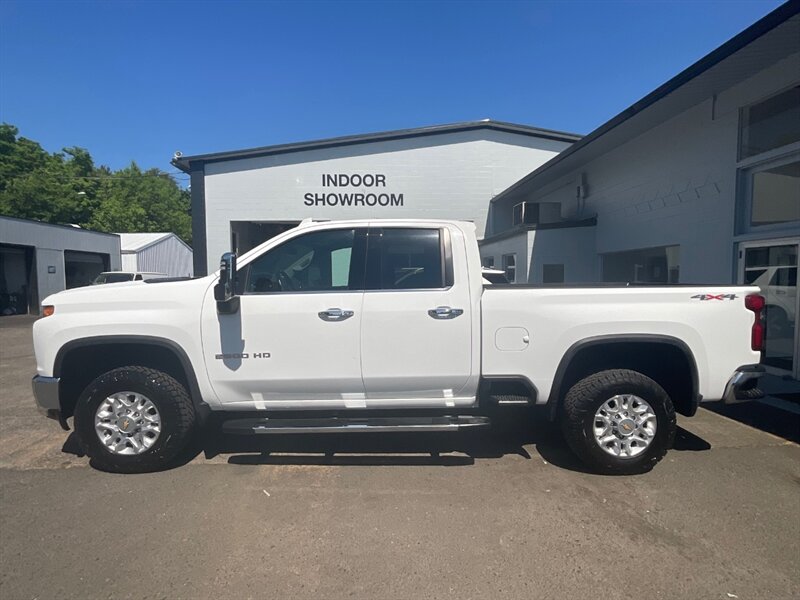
(294, 342)
(416, 331)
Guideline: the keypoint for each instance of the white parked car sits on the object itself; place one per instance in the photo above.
(121, 276)
(779, 286)
(386, 326)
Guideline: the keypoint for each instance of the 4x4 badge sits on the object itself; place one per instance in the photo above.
(714, 297)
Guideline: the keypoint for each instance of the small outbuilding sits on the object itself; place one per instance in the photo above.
(39, 259)
(156, 253)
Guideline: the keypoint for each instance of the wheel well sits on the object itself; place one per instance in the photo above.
(81, 365)
(668, 364)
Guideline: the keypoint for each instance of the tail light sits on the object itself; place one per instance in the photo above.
(756, 303)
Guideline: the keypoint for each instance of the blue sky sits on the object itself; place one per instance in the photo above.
(139, 80)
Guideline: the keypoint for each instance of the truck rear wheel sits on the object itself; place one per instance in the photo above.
(134, 420)
(618, 421)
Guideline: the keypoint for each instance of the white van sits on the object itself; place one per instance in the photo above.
(120, 276)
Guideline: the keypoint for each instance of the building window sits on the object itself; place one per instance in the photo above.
(553, 273)
(510, 267)
(775, 195)
(488, 261)
(770, 124)
(521, 216)
(770, 195)
(647, 265)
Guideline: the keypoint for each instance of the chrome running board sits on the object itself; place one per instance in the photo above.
(353, 425)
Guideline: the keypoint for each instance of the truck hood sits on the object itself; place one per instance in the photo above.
(128, 294)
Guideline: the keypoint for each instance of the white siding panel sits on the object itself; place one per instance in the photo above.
(449, 176)
(572, 247)
(129, 262)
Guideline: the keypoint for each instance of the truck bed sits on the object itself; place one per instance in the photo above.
(711, 321)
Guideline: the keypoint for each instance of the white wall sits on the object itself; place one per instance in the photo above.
(573, 247)
(447, 176)
(519, 244)
(130, 261)
(676, 183)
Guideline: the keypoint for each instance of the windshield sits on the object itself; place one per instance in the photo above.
(112, 278)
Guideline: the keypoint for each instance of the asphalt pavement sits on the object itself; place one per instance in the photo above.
(504, 514)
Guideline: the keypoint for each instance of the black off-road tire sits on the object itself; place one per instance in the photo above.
(178, 420)
(587, 396)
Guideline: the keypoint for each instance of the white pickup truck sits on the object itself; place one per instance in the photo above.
(385, 326)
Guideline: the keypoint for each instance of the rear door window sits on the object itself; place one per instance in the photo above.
(406, 259)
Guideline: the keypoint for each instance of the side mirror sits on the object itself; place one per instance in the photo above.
(225, 290)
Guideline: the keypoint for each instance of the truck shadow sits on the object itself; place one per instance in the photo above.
(517, 431)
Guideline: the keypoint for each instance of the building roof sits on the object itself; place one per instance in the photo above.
(75, 228)
(184, 163)
(771, 38)
(135, 242)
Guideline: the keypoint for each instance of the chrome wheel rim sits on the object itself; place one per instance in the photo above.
(624, 426)
(127, 423)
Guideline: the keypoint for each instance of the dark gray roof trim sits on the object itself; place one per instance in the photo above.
(778, 16)
(588, 222)
(184, 163)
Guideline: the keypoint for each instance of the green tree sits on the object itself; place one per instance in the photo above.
(67, 187)
(18, 156)
(132, 200)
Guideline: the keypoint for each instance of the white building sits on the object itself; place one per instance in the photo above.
(242, 198)
(39, 259)
(698, 182)
(156, 253)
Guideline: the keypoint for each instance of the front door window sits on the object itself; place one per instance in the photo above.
(316, 262)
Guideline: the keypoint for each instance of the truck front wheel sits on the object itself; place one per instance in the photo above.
(618, 421)
(134, 420)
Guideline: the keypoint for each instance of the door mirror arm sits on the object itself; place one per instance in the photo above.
(225, 289)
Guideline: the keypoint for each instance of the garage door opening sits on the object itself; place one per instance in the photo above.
(18, 294)
(80, 268)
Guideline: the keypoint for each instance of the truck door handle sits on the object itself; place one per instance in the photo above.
(445, 312)
(335, 314)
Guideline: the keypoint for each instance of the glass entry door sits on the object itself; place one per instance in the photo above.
(773, 267)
